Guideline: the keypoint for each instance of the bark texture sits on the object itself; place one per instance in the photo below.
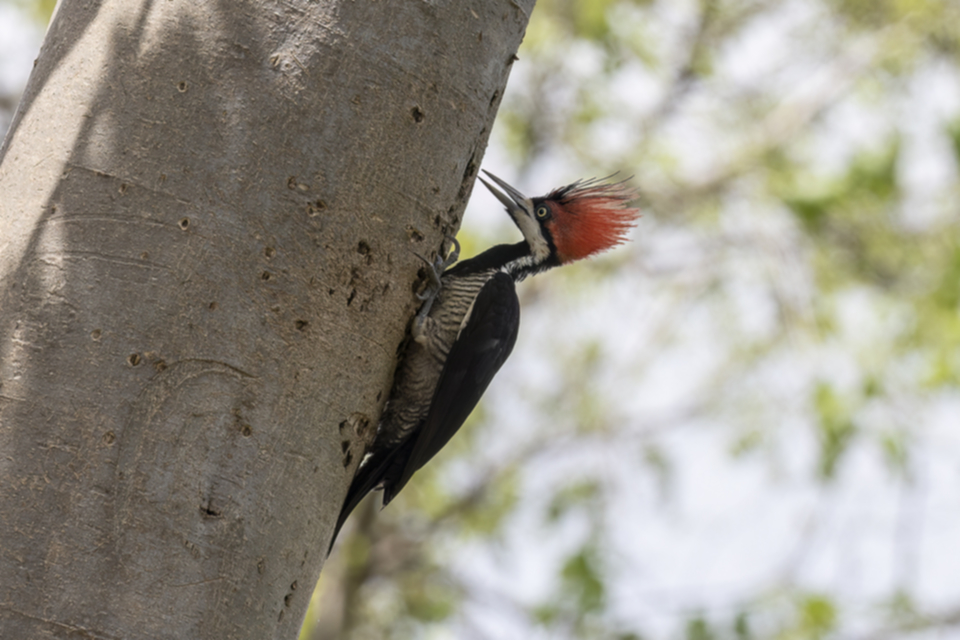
(208, 218)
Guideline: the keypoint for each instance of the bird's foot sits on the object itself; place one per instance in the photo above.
(436, 269)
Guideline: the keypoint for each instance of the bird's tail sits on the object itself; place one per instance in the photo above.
(368, 477)
(382, 467)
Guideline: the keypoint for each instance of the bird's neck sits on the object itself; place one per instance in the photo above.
(516, 260)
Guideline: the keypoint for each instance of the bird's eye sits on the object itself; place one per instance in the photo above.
(542, 212)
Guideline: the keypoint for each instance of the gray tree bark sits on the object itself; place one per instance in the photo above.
(208, 221)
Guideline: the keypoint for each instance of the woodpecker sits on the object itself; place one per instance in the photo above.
(468, 324)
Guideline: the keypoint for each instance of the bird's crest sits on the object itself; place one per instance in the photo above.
(591, 216)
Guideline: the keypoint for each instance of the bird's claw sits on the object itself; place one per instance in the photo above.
(454, 254)
(436, 269)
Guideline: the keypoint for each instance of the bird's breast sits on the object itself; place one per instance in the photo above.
(418, 373)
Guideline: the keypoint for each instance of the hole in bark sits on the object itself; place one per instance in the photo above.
(95, 334)
(301, 324)
(269, 252)
(362, 423)
(246, 431)
(184, 223)
(213, 306)
(417, 114)
(471, 170)
(414, 234)
(182, 87)
(265, 275)
(109, 438)
(133, 359)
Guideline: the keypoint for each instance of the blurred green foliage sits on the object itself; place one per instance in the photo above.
(699, 629)
(41, 10)
(573, 495)
(836, 428)
(817, 617)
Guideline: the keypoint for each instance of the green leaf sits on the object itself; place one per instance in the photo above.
(498, 500)
(741, 627)
(902, 610)
(811, 211)
(582, 580)
(429, 601)
(875, 173)
(947, 292)
(699, 629)
(571, 496)
(953, 132)
(747, 443)
(818, 616)
(40, 10)
(835, 426)
(895, 451)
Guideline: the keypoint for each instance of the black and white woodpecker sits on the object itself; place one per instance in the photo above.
(468, 324)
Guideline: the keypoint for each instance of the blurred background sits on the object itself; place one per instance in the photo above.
(745, 424)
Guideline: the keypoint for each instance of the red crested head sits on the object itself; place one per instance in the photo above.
(569, 223)
(588, 217)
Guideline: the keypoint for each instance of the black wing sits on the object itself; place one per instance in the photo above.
(480, 350)
(474, 359)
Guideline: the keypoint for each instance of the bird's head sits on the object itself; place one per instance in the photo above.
(572, 222)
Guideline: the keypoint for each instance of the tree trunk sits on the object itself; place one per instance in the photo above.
(207, 232)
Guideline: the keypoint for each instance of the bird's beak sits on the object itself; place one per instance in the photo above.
(516, 203)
